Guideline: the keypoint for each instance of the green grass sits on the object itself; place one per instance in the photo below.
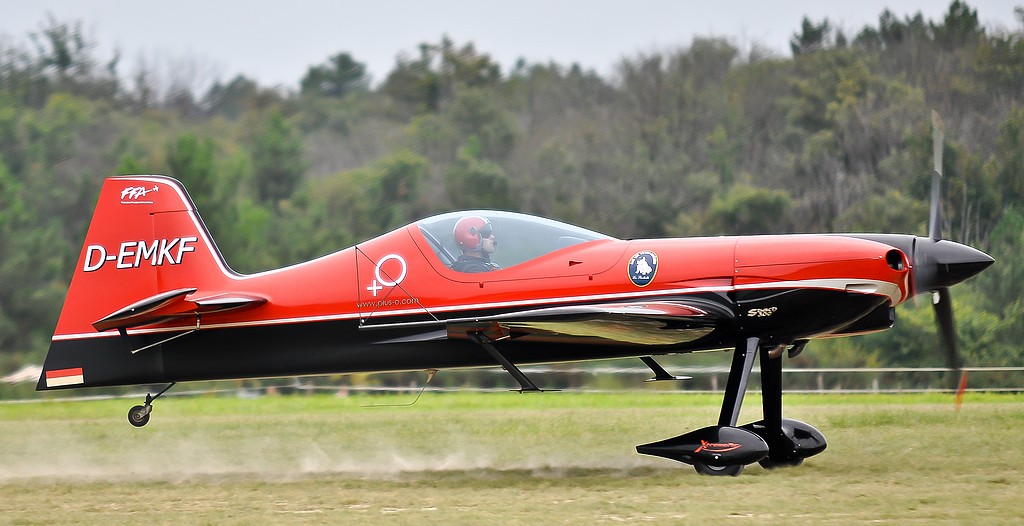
(499, 458)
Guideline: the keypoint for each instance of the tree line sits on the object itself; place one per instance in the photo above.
(703, 139)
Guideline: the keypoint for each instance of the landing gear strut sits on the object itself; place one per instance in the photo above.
(138, 415)
(735, 389)
(724, 449)
(525, 384)
(789, 441)
(721, 449)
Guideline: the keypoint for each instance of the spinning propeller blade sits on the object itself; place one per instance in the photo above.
(934, 212)
(942, 303)
(939, 264)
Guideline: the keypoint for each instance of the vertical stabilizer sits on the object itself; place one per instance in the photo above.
(145, 242)
(145, 239)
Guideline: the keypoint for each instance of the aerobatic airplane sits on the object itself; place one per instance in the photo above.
(152, 301)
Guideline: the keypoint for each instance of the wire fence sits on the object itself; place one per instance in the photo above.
(712, 379)
(593, 379)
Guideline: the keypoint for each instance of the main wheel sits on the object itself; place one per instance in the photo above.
(138, 416)
(718, 471)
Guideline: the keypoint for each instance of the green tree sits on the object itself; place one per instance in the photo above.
(12, 144)
(1002, 285)
(722, 153)
(386, 193)
(959, 26)
(191, 161)
(61, 47)
(415, 83)
(474, 182)
(238, 96)
(401, 177)
(1005, 168)
(51, 132)
(892, 212)
(341, 75)
(474, 113)
(33, 262)
(429, 82)
(13, 217)
(812, 37)
(129, 165)
(745, 209)
(278, 164)
(893, 32)
(466, 67)
(254, 243)
(434, 137)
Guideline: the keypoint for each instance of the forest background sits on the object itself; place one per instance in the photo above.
(706, 139)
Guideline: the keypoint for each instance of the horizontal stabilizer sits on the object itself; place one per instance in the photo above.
(226, 302)
(173, 304)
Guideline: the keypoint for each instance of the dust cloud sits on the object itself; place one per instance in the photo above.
(109, 451)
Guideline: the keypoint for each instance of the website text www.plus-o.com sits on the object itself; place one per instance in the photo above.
(387, 302)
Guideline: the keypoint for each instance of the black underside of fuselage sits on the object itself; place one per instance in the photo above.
(304, 349)
(337, 347)
(785, 315)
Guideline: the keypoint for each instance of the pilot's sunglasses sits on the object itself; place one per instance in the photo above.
(486, 231)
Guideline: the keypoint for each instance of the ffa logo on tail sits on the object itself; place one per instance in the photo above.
(134, 195)
(642, 268)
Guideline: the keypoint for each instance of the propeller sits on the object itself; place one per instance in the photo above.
(934, 212)
(935, 268)
(942, 301)
(938, 263)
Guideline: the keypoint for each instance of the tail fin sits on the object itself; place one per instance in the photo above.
(145, 239)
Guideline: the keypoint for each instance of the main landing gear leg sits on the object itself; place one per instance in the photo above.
(735, 389)
(525, 384)
(779, 455)
(138, 416)
(723, 449)
(789, 441)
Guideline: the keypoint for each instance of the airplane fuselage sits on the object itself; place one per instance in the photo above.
(371, 307)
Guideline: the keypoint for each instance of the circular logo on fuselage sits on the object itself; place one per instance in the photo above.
(642, 268)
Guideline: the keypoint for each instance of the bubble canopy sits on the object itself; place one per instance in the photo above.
(520, 237)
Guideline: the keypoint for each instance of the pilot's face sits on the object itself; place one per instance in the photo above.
(487, 241)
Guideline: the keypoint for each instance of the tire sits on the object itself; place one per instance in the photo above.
(138, 416)
(718, 471)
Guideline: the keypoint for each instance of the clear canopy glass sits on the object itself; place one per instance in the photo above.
(520, 237)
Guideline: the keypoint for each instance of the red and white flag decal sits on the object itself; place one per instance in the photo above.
(62, 377)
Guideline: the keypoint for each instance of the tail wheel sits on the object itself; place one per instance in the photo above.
(138, 416)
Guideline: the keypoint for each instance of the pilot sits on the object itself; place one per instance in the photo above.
(475, 238)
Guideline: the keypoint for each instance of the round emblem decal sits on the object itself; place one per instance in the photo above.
(642, 268)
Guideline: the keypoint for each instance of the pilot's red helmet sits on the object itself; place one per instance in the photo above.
(469, 230)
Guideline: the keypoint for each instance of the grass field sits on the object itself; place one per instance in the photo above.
(553, 458)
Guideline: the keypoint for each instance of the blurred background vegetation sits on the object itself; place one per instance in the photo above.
(705, 139)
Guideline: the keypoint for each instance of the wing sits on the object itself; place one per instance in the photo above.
(647, 323)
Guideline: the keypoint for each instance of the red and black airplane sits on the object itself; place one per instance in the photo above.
(152, 301)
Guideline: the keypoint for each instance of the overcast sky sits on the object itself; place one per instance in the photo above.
(275, 42)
